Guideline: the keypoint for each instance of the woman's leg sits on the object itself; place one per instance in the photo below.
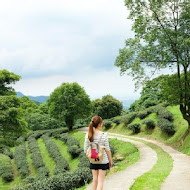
(101, 175)
(95, 179)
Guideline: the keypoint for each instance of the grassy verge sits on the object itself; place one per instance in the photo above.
(47, 159)
(180, 127)
(156, 176)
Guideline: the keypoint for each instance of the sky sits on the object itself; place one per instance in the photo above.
(48, 42)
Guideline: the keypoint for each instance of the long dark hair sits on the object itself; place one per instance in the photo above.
(95, 121)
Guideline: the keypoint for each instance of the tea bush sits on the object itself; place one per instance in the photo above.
(21, 161)
(150, 124)
(134, 127)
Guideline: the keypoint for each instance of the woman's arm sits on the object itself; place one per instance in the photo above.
(108, 151)
(86, 143)
(109, 157)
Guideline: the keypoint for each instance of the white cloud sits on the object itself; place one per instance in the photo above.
(48, 42)
(96, 84)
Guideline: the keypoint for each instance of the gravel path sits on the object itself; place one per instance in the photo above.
(179, 178)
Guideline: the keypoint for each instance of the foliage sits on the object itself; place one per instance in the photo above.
(116, 121)
(6, 150)
(162, 40)
(43, 108)
(142, 114)
(28, 105)
(135, 127)
(149, 123)
(73, 145)
(151, 94)
(107, 107)
(39, 121)
(6, 171)
(107, 124)
(12, 123)
(166, 126)
(61, 163)
(129, 118)
(37, 158)
(7, 78)
(69, 102)
(65, 181)
(21, 161)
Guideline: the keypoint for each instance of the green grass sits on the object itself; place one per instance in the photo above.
(156, 176)
(47, 159)
(126, 150)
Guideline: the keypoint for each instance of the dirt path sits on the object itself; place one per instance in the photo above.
(122, 180)
(179, 178)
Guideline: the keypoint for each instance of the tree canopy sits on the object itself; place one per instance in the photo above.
(68, 103)
(107, 107)
(162, 40)
(7, 78)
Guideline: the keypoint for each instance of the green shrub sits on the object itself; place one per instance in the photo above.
(112, 149)
(36, 157)
(116, 121)
(65, 181)
(129, 118)
(6, 150)
(21, 161)
(150, 124)
(165, 114)
(7, 176)
(107, 124)
(6, 170)
(73, 145)
(142, 115)
(134, 127)
(83, 160)
(166, 126)
(61, 163)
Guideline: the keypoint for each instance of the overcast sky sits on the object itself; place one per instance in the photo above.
(48, 42)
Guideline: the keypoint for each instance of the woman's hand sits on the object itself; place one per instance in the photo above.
(110, 164)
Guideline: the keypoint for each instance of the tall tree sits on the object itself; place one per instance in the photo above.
(69, 102)
(162, 40)
(12, 123)
(7, 78)
(107, 107)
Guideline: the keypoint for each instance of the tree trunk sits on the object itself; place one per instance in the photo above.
(185, 135)
(69, 122)
(187, 118)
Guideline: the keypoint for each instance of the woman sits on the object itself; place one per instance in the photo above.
(93, 135)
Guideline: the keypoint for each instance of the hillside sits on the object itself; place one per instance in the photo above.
(55, 157)
(180, 125)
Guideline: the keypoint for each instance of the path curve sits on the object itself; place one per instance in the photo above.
(122, 180)
(179, 177)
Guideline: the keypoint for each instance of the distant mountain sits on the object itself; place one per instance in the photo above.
(40, 99)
